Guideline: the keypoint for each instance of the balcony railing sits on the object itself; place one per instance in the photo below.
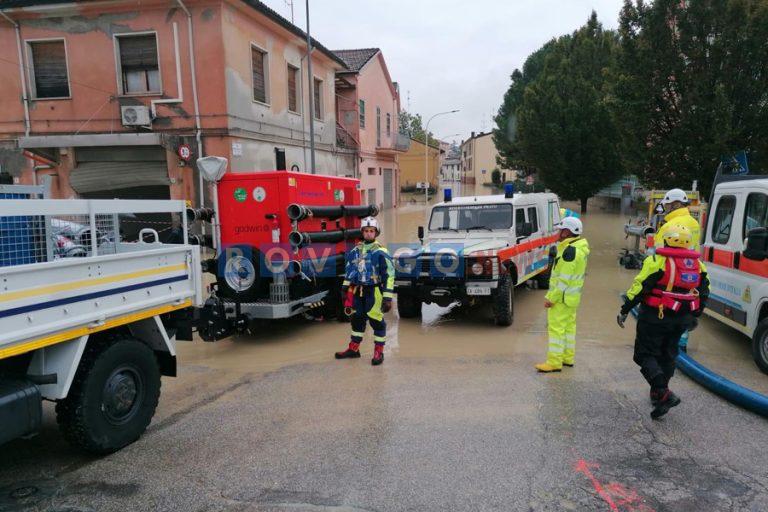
(399, 143)
(344, 139)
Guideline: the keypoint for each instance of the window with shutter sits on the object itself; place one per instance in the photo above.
(293, 88)
(318, 99)
(389, 125)
(361, 103)
(259, 69)
(139, 67)
(49, 69)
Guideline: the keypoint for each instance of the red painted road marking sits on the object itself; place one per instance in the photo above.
(616, 496)
(585, 467)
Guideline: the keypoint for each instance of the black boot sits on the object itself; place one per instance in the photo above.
(667, 401)
(655, 396)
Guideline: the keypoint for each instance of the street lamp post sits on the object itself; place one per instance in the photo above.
(426, 153)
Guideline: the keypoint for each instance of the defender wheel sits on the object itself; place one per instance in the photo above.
(113, 396)
(504, 302)
(408, 306)
(760, 346)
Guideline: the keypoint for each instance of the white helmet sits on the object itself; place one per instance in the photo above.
(673, 195)
(572, 224)
(370, 222)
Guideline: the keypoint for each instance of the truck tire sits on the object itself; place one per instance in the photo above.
(504, 302)
(113, 396)
(408, 306)
(542, 280)
(760, 346)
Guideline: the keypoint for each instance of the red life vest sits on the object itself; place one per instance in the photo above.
(678, 286)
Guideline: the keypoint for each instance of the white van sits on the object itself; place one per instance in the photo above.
(735, 249)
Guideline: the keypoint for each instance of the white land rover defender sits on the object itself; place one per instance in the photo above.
(478, 249)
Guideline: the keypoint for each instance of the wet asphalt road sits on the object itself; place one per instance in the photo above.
(455, 419)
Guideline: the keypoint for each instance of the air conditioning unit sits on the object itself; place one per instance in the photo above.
(135, 116)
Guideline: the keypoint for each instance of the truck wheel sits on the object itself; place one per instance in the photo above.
(113, 396)
(408, 306)
(760, 346)
(504, 303)
(542, 280)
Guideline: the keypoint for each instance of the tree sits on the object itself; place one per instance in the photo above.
(565, 129)
(505, 132)
(496, 177)
(690, 86)
(412, 125)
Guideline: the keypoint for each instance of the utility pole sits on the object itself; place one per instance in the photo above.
(311, 80)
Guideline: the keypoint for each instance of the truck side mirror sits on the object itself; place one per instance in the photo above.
(756, 244)
(420, 233)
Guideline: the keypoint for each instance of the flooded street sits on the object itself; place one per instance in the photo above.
(455, 419)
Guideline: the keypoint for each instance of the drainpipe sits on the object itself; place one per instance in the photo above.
(25, 98)
(198, 130)
(34, 172)
(179, 91)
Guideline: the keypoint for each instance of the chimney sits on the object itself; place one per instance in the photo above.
(473, 135)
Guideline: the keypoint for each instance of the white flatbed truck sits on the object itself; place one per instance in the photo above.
(90, 333)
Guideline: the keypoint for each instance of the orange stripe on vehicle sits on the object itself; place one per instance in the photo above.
(527, 246)
(725, 259)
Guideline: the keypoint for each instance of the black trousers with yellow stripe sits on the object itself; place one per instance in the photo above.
(367, 309)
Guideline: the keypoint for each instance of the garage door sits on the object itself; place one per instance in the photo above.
(388, 202)
(121, 172)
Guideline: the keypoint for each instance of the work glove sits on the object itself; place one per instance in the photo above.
(620, 319)
(386, 306)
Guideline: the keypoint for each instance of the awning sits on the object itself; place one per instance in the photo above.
(97, 176)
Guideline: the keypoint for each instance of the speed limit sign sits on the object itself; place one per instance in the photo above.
(185, 152)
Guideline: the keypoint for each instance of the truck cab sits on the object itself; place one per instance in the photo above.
(477, 249)
(734, 250)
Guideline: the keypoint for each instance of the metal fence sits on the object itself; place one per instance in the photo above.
(36, 231)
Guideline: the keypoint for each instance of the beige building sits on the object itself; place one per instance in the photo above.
(478, 160)
(412, 165)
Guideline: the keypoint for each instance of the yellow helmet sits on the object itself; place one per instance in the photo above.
(678, 236)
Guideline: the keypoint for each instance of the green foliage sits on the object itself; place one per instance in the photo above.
(564, 126)
(496, 177)
(691, 85)
(505, 132)
(412, 125)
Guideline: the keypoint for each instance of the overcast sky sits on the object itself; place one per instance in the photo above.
(448, 54)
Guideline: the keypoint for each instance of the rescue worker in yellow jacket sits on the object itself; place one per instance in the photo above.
(564, 296)
(675, 205)
(672, 288)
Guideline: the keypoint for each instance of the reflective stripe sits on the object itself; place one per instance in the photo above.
(570, 277)
(379, 338)
(388, 295)
(358, 334)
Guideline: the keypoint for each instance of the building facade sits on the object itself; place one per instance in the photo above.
(478, 160)
(367, 112)
(412, 165)
(118, 98)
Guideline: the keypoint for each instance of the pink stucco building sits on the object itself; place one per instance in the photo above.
(110, 97)
(368, 108)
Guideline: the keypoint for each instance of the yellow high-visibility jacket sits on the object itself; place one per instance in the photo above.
(568, 271)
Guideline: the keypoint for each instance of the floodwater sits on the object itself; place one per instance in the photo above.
(450, 331)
